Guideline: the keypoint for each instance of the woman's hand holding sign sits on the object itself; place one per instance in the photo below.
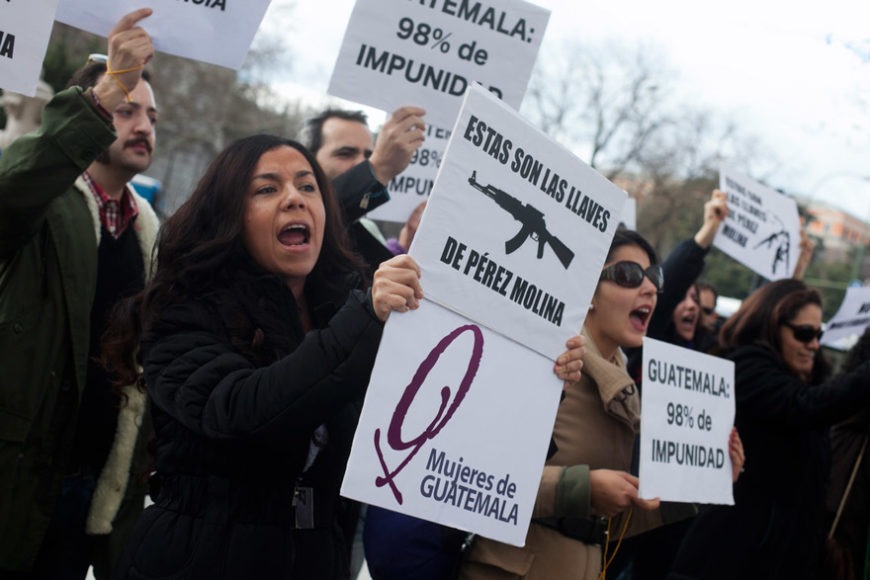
(396, 286)
(612, 492)
(570, 363)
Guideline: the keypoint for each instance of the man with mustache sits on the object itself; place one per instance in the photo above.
(361, 168)
(74, 240)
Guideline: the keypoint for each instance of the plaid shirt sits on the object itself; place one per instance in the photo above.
(115, 215)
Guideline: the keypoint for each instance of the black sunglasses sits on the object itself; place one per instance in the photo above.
(630, 275)
(805, 332)
(707, 310)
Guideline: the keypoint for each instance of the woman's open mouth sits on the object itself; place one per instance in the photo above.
(294, 235)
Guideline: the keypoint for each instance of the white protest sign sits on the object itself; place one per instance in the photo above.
(414, 184)
(762, 230)
(455, 426)
(851, 318)
(629, 214)
(516, 229)
(427, 52)
(214, 31)
(688, 411)
(25, 27)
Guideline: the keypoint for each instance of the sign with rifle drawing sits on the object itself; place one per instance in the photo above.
(511, 243)
(762, 230)
(516, 228)
(851, 318)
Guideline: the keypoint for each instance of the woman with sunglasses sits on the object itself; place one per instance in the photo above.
(586, 486)
(775, 529)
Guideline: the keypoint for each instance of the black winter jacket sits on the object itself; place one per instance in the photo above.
(237, 389)
(775, 529)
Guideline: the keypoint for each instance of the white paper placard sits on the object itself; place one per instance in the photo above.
(25, 28)
(688, 411)
(214, 31)
(428, 53)
(629, 213)
(516, 229)
(762, 230)
(455, 426)
(851, 318)
(414, 184)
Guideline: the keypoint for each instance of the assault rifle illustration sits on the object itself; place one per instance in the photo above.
(783, 241)
(533, 222)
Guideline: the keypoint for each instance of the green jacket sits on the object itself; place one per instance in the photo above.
(49, 234)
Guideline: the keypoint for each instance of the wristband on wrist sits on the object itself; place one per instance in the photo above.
(113, 75)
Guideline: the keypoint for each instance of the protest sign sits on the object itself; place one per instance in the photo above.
(688, 411)
(762, 230)
(629, 214)
(514, 227)
(25, 27)
(214, 31)
(428, 53)
(414, 184)
(851, 318)
(509, 247)
(439, 437)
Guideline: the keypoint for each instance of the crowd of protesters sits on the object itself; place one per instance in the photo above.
(217, 364)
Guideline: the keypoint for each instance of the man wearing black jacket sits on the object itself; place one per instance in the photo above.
(361, 169)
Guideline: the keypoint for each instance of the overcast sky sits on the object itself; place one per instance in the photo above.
(791, 72)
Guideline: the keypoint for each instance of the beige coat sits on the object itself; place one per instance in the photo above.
(595, 426)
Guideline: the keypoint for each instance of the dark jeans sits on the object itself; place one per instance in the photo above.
(402, 547)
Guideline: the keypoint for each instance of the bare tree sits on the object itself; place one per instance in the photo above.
(606, 99)
(620, 105)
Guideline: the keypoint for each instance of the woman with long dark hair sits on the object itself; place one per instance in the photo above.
(253, 334)
(775, 529)
(257, 342)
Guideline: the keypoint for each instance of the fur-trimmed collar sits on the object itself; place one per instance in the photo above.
(146, 223)
(114, 477)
